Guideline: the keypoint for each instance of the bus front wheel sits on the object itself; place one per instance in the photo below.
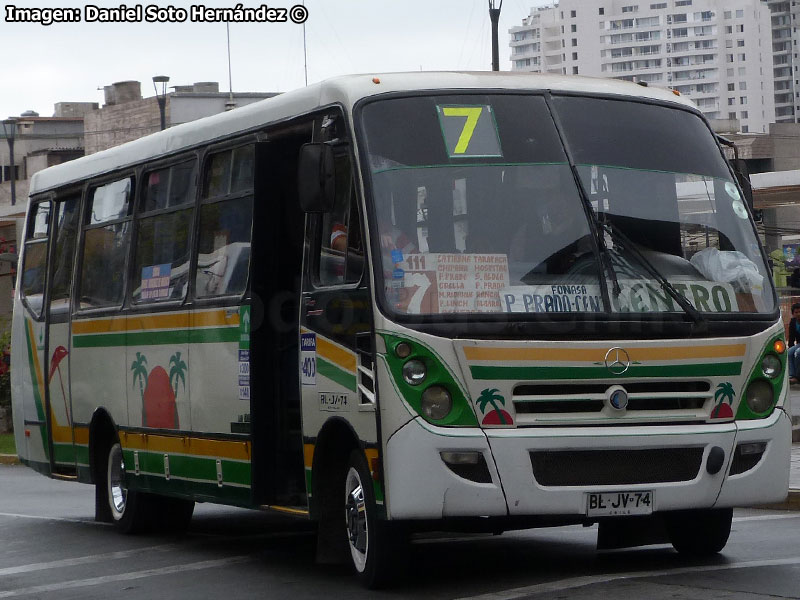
(699, 532)
(374, 544)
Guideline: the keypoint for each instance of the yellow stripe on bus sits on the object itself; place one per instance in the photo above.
(185, 445)
(598, 354)
(308, 455)
(338, 356)
(183, 320)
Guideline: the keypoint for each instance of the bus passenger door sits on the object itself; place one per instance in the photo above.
(275, 271)
(66, 456)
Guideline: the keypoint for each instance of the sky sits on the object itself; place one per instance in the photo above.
(71, 62)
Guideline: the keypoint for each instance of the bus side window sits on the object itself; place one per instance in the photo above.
(226, 215)
(105, 245)
(66, 223)
(35, 262)
(161, 264)
(341, 252)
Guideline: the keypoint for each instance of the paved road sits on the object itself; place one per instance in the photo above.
(51, 549)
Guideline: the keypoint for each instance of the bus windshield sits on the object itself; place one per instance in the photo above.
(479, 210)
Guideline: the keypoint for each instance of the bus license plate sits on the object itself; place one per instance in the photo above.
(609, 504)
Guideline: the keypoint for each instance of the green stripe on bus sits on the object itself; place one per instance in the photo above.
(536, 373)
(340, 376)
(191, 467)
(204, 492)
(156, 338)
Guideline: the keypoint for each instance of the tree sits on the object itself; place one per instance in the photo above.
(492, 396)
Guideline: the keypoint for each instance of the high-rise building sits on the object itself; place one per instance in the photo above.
(783, 16)
(719, 53)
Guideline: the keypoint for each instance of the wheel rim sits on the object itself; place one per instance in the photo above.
(356, 519)
(117, 494)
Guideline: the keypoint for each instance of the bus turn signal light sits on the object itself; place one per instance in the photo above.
(779, 346)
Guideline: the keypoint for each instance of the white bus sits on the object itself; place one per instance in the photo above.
(409, 302)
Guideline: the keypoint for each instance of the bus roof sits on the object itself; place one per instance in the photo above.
(347, 90)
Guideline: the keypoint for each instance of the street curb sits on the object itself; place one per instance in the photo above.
(792, 502)
(9, 459)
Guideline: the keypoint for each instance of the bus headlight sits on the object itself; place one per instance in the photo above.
(771, 366)
(414, 372)
(759, 395)
(436, 403)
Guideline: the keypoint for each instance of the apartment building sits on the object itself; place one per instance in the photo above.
(718, 53)
(783, 21)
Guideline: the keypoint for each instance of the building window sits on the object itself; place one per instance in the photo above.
(742, 85)
(745, 129)
(742, 72)
(731, 101)
(742, 99)
(741, 57)
(740, 14)
(730, 87)
(740, 43)
(731, 116)
(740, 28)
(730, 72)
(683, 2)
(729, 57)
(574, 42)
(572, 13)
(743, 114)
(728, 28)
(574, 56)
(658, 6)
(601, 11)
(727, 14)
(573, 28)
(574, 70)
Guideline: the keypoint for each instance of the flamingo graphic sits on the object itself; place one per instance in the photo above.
(58, 355)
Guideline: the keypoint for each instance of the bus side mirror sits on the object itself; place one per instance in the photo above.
(743, 177)
(316, 178)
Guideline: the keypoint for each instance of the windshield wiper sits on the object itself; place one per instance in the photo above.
(622, 240)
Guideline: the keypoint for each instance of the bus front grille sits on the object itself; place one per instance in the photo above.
(586, 403)
(559, 468)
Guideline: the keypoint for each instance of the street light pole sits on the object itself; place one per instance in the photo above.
(494, 16)
(10, 130)
(161, 97)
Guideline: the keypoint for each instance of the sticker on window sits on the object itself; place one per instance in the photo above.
(452, 283)
(469, 130)
(635, 296)
(155, 281)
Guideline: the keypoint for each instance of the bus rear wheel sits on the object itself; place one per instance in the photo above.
(129, 509)
(699, 532)
(375, 546)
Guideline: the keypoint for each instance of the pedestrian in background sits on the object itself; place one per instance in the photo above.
(794, 338)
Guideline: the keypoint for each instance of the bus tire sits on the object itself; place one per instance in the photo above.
(129, 508)
(699, 532)
(375, 545)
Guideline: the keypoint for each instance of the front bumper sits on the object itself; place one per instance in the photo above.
(419, 485)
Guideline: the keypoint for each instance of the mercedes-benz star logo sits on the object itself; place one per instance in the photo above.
(617, 360)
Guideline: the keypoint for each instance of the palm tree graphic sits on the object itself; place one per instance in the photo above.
(177, 367)
(724, 393)
(139, 368)
(491, 396)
